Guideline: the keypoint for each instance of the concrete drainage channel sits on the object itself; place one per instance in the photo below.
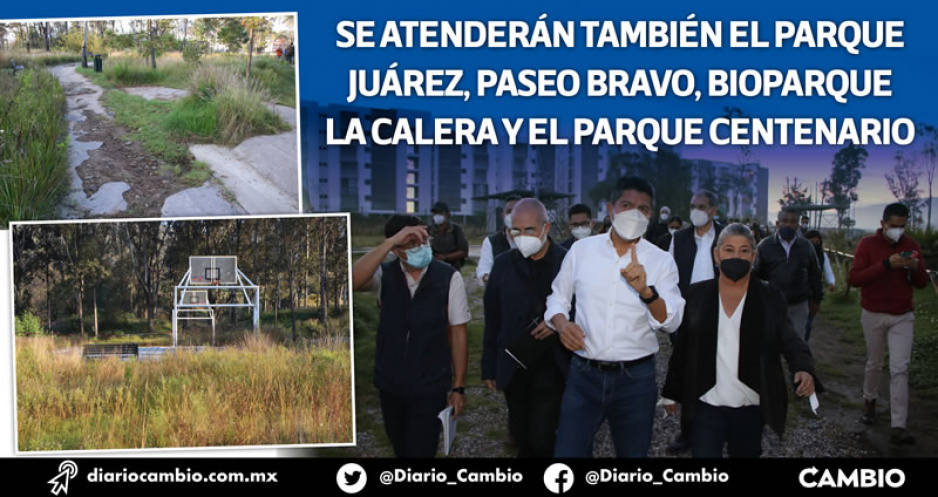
(258, 176)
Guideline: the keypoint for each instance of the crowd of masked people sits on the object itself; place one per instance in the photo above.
(570, 325)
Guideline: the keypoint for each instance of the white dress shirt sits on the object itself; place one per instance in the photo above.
(617, 324)
(703, 260)
(729, 391)
(458, 303)
(487, 258)
(787, 244)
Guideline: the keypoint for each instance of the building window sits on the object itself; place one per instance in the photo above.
(411, 178)
(411, 207)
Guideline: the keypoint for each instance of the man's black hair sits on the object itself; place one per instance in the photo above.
(788, 210)
(675, 218)
(635, 183)
(399, 222)
(581, 209)
(895, 210)
(711, 197)
(512, 198)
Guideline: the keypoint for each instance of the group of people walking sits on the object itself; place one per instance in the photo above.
(571, 327)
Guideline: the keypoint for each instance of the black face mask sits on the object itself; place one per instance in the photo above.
(735, 269)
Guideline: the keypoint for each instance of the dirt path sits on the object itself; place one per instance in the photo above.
(841, 367)
(113, 175)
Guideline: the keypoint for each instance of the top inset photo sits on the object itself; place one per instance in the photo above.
(148, 117)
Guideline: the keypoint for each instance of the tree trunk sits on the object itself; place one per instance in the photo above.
(290, 282)
(84, 48)
(152, 46)
(185, 33)
(323, 250)
(277, 304)
(95, 300)
(250, 55)
(80, 297)
(48, 297)
(47, 36)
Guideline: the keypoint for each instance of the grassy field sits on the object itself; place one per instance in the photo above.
(33, 145)
(222, 107)
(258, 393)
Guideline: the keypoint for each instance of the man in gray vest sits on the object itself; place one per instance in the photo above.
(421, 354)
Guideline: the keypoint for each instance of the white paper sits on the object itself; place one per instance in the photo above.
(449, 428)
(814, 402)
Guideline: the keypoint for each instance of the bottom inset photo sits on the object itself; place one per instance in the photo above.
(182, 333)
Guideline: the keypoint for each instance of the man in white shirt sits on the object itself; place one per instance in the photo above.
(497, 242)
(421, 355)
(626, 289)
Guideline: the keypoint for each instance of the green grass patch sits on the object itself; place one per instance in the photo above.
(33, 146)
(146, 117)
(36, 59)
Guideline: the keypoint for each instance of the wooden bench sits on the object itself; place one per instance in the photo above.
(105, 350)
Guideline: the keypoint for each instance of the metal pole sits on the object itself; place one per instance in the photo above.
(174, 328)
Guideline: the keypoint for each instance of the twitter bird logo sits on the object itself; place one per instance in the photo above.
(351, 478)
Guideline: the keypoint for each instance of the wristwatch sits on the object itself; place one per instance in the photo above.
(654, 295)
(459, 390)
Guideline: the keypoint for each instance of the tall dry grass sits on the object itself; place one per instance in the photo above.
(258, 393)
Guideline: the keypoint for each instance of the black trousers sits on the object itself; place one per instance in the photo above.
(411, 423)
(739, 428)
(534, 409)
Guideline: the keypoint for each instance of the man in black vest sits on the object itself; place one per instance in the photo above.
(448, 239)
(692, 249)
(496, 243)
(421, 354)
(522, 356)
(581, 224)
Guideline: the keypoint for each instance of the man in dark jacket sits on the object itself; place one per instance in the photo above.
(421, 353)
(496, 243)
(886, 266)
(790, 263)
(447, 238)
(522, 356)
(580, 222)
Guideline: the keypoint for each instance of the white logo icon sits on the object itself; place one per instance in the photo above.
(67, 471)
(351, 478)
(558, 478)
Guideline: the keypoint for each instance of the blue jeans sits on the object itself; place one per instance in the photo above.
(625, 397)
(739, 428)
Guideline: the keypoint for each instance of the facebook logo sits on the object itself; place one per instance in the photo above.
(558, 478)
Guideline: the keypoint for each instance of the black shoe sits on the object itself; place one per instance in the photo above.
(679, 445)
(869, 412)
(900, 436)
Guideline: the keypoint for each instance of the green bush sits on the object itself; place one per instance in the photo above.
(241, 108)
(33, 146)
(28, 324)
(131, 74)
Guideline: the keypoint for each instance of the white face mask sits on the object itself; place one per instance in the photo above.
(672, 230)
(508, 221)
(664, 216)
(699, 217)
(581, 232)
(438, 219)
(630, 224)
(529, 245)
(894, 234)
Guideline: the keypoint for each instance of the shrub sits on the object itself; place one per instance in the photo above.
(28, 324)
(33, 146)
(241, 108)
(130, 74)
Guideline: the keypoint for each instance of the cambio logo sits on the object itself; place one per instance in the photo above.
(558, 478)
(858, 478)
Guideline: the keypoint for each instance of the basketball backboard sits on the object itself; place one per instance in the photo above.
(213, 270)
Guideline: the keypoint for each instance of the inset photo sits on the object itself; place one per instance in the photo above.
(182, 333)
(148, 117)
